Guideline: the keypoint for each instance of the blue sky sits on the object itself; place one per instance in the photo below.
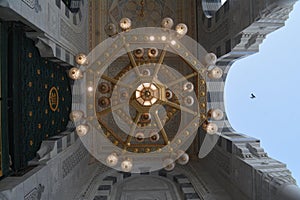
(273, 75)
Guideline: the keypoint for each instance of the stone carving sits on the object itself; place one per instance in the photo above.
(52, 20)
(70, 35)
(33, 4)
(256, 150)
(69, 163)
(36, 193)
(44, 49)
(143, 13)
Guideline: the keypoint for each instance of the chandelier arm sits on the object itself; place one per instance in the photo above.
(182, 79)
(133, 127)
(115, 81)
(160, 61)
(132, 60)
(161, 128)
(117, 137)
(180, 107)
(110, 109)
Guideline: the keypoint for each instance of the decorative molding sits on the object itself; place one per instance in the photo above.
(112, 178)
(33, 4)
(36, 193)
(69, 163)
(71, 36)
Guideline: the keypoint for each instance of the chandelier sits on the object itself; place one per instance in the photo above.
(140, 96)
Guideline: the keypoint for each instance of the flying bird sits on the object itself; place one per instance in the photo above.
(252, 96)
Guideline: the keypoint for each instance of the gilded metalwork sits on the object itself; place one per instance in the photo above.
(53, 99)
(145, 96)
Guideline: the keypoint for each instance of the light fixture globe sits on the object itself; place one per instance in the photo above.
(104, 87)
(76, 115)
(154, 137)
(125, 23)
(146, 72)
(216, 114)
(181, 29)
(110, 29)
(189, 100)
(112, 160)
(211, 128)
(139, 53)
(189, 87)
(210, 59)
(169, 164)
(126, 165)
(167, 23)
(152, 52)
(75, 73)
(104, 102)
(81, 59)
(82, 130)
(215, 73)
(169, 94)
(140, 137)
(183, 159)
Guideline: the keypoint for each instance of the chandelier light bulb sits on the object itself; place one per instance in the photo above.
(152, 52)
(112, 160)
(167, 23)
(181, 29)
(169, 94)
(215, 73)
(154, 137)
(183, 159)
(152, 38)
(189, 100)
(110, 29)
(90, 89)
(82, 130)
(104, 87)
(146, 72)
(211, 128)
(145, 117)
(103, 102)
(189, 87)
(140, 137)
(75, 73)
(210, 59)
(126, 165)
(125, 23)
(76, 115)
(173, 42)
(139, 53)
(216, 114)
(81, 59)
(168, 164)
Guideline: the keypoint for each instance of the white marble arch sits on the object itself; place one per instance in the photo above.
(146, 188)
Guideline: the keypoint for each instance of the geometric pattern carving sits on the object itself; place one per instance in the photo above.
(70, 35)
(30, 3)
(73, 160)
(33, 4)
